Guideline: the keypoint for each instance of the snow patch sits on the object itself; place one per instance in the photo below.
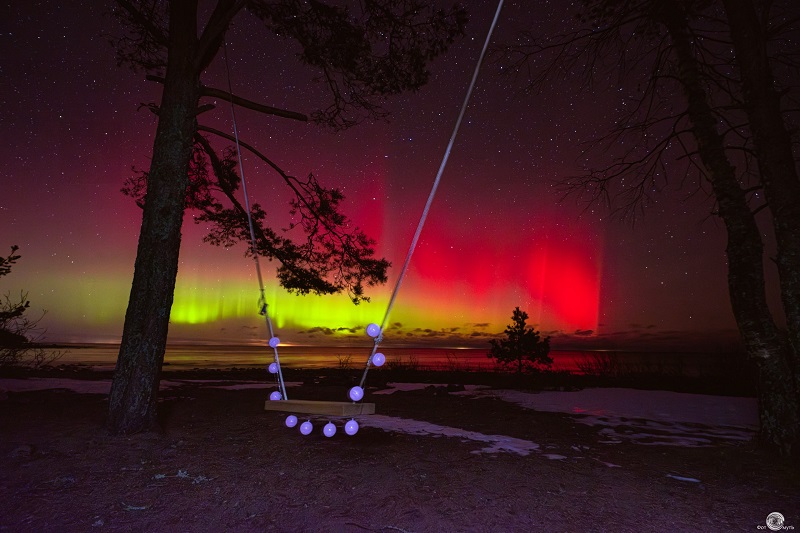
(407, 387)
(682, 478)
(469, 390)
(661, 406)
(650, 418)
(83, 386)
(496, 443)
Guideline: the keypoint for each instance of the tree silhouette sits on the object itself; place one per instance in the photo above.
(381, 50)
(11, 312)
(522, 347)
(703, 100)
(18, 331)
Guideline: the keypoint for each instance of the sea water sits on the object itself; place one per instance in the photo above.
(191, 356)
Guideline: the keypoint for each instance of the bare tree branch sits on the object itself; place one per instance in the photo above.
(241, 102)
(214, 32)
(145, 21)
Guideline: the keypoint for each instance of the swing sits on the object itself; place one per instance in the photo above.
(279, 400)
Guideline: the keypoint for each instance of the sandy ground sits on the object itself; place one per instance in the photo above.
(433, 459)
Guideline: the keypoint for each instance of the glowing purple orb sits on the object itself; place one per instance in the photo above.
(275, 395)
(329, 430)
(373, 330)
(291, 421)
(378, 359)
(306, 427)
(356, 393)
(351, 428)
(273, 368)
(274, 342)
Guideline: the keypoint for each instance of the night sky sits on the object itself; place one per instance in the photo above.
(497, 236)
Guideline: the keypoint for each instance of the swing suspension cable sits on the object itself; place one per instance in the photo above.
(432, 194)
(262, 301)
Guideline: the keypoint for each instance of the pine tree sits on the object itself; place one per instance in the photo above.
(523, 346)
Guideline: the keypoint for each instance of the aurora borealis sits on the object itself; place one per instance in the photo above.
(497, 236)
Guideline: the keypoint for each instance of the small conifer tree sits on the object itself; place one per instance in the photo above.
(522, 346)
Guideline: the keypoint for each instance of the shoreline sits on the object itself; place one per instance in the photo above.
(379, 377)
(471, 358)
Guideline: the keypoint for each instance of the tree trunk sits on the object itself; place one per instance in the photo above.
(776, 164)
(762, 338)
(777, 404)
(132, 402)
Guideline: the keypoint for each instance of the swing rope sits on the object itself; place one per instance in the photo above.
(262, 301)
(432, 194)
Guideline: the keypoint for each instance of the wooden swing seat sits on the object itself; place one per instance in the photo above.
(317, 407)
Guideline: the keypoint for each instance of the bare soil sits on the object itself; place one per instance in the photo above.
(222, 463)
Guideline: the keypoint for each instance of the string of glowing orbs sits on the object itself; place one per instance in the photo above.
(375, 331)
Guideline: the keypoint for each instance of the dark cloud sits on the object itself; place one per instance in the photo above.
(318, 329)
